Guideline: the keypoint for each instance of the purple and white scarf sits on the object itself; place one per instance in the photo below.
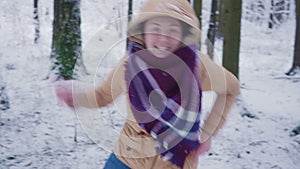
(165, 97)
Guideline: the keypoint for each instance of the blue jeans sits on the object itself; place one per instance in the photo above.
(114, 163)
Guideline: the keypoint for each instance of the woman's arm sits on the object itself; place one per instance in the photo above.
(215, 78)
(226, 86)
(103, 94)
(76, 94)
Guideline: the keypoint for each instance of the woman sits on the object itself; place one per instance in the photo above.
(163, 76)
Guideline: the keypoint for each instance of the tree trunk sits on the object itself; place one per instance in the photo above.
(197, 4)
(271, 16)
(129, 18)
(37, 21)
(66, 40)
(296, 60)
(213, 26)
(220, 18)
(4, 102)
(231, 43)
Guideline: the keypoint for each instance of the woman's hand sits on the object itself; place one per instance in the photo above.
(64, 92)
(204, 147)
(193, 157)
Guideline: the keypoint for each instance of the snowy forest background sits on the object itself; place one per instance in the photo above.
(36, 131)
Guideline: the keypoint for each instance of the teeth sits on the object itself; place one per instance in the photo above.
(162, 48)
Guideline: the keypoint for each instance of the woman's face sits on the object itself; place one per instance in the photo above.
(162, 35)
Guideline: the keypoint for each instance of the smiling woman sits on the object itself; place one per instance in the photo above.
(162, 35)
(162, 76)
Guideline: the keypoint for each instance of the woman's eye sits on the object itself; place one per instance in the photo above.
(155, 30)
(174, 31)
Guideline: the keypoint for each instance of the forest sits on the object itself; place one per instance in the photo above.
(48, 41)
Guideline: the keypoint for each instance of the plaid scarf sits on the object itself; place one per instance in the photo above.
(165, 97)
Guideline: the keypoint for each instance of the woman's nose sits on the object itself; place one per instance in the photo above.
(163, 38)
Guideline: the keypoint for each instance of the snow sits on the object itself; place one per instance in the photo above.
(38, 132)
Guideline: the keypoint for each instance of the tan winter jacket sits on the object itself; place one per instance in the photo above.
(135, 147)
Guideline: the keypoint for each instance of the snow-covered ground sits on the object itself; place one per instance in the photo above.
(38, 132)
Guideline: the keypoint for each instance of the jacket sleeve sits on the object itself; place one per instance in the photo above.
(103, 94)
(226, 86)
